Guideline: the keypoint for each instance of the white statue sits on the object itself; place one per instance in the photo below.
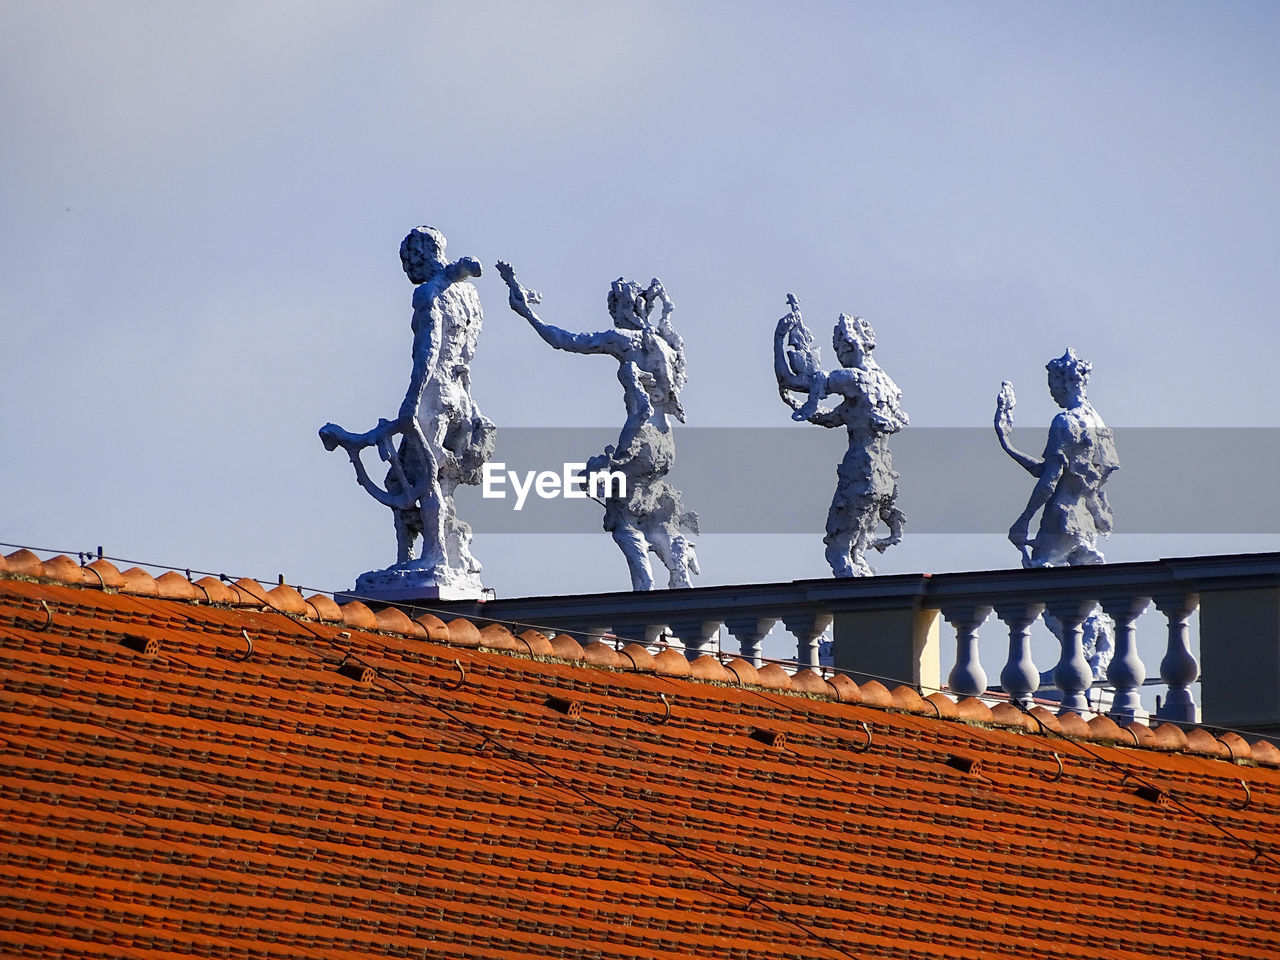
(1079, 457)
(870, 410)
(651, 368)
(444, 439)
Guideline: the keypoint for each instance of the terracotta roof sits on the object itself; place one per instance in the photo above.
(224, 770)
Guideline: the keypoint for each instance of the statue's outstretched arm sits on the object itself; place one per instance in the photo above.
(1005, 402)
(522, 300)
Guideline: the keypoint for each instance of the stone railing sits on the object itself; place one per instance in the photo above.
(889, 627)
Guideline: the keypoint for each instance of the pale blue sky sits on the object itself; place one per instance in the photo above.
(202, 207)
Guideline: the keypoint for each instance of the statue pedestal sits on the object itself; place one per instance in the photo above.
(411, 594)
(406, 583)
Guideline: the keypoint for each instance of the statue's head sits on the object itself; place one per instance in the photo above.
(1068, 378)
(853, 340)
(628, 305)
(422, 253)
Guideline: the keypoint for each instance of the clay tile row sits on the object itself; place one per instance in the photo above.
(170, 585)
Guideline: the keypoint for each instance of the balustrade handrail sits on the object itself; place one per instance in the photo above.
(807, 607)
(921, 591)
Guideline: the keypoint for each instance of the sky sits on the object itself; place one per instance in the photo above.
(203, 205)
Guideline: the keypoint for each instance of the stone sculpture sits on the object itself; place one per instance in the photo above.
(649, 516)
(1079, 457)
(444, 440)
(870, 410)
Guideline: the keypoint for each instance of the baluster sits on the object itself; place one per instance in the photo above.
(1126, 670)
(807, 628)
(1073, 676)
(967, 676)
(1179, 668)
(1020, 679)
(591, 632)
(636, 631)
(696, 635)
(749, 632)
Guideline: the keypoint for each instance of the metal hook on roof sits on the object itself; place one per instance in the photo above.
(936, 708)
(249, 649)
(1248, 796)
(461, 680)
(1230, 750)
(666, 703)
(866, 746)
(48, 616)
(1058, 776)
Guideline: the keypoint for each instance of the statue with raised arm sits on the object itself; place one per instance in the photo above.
(870, 410)
(648, 515)
(1079, 457)
(438, 439)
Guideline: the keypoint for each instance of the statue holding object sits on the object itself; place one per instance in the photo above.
(648, 516)
(870, 410)
(444, 440)
(1079, 457)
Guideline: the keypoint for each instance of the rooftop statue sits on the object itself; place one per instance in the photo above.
(649, 516)
(870, 410)
(1079, 457)
(444, 439)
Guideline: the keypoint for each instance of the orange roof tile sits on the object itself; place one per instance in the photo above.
(774, 676)
(63, 569)
(601, 654)
(565, 647)
(743, 672)
(241, 773)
